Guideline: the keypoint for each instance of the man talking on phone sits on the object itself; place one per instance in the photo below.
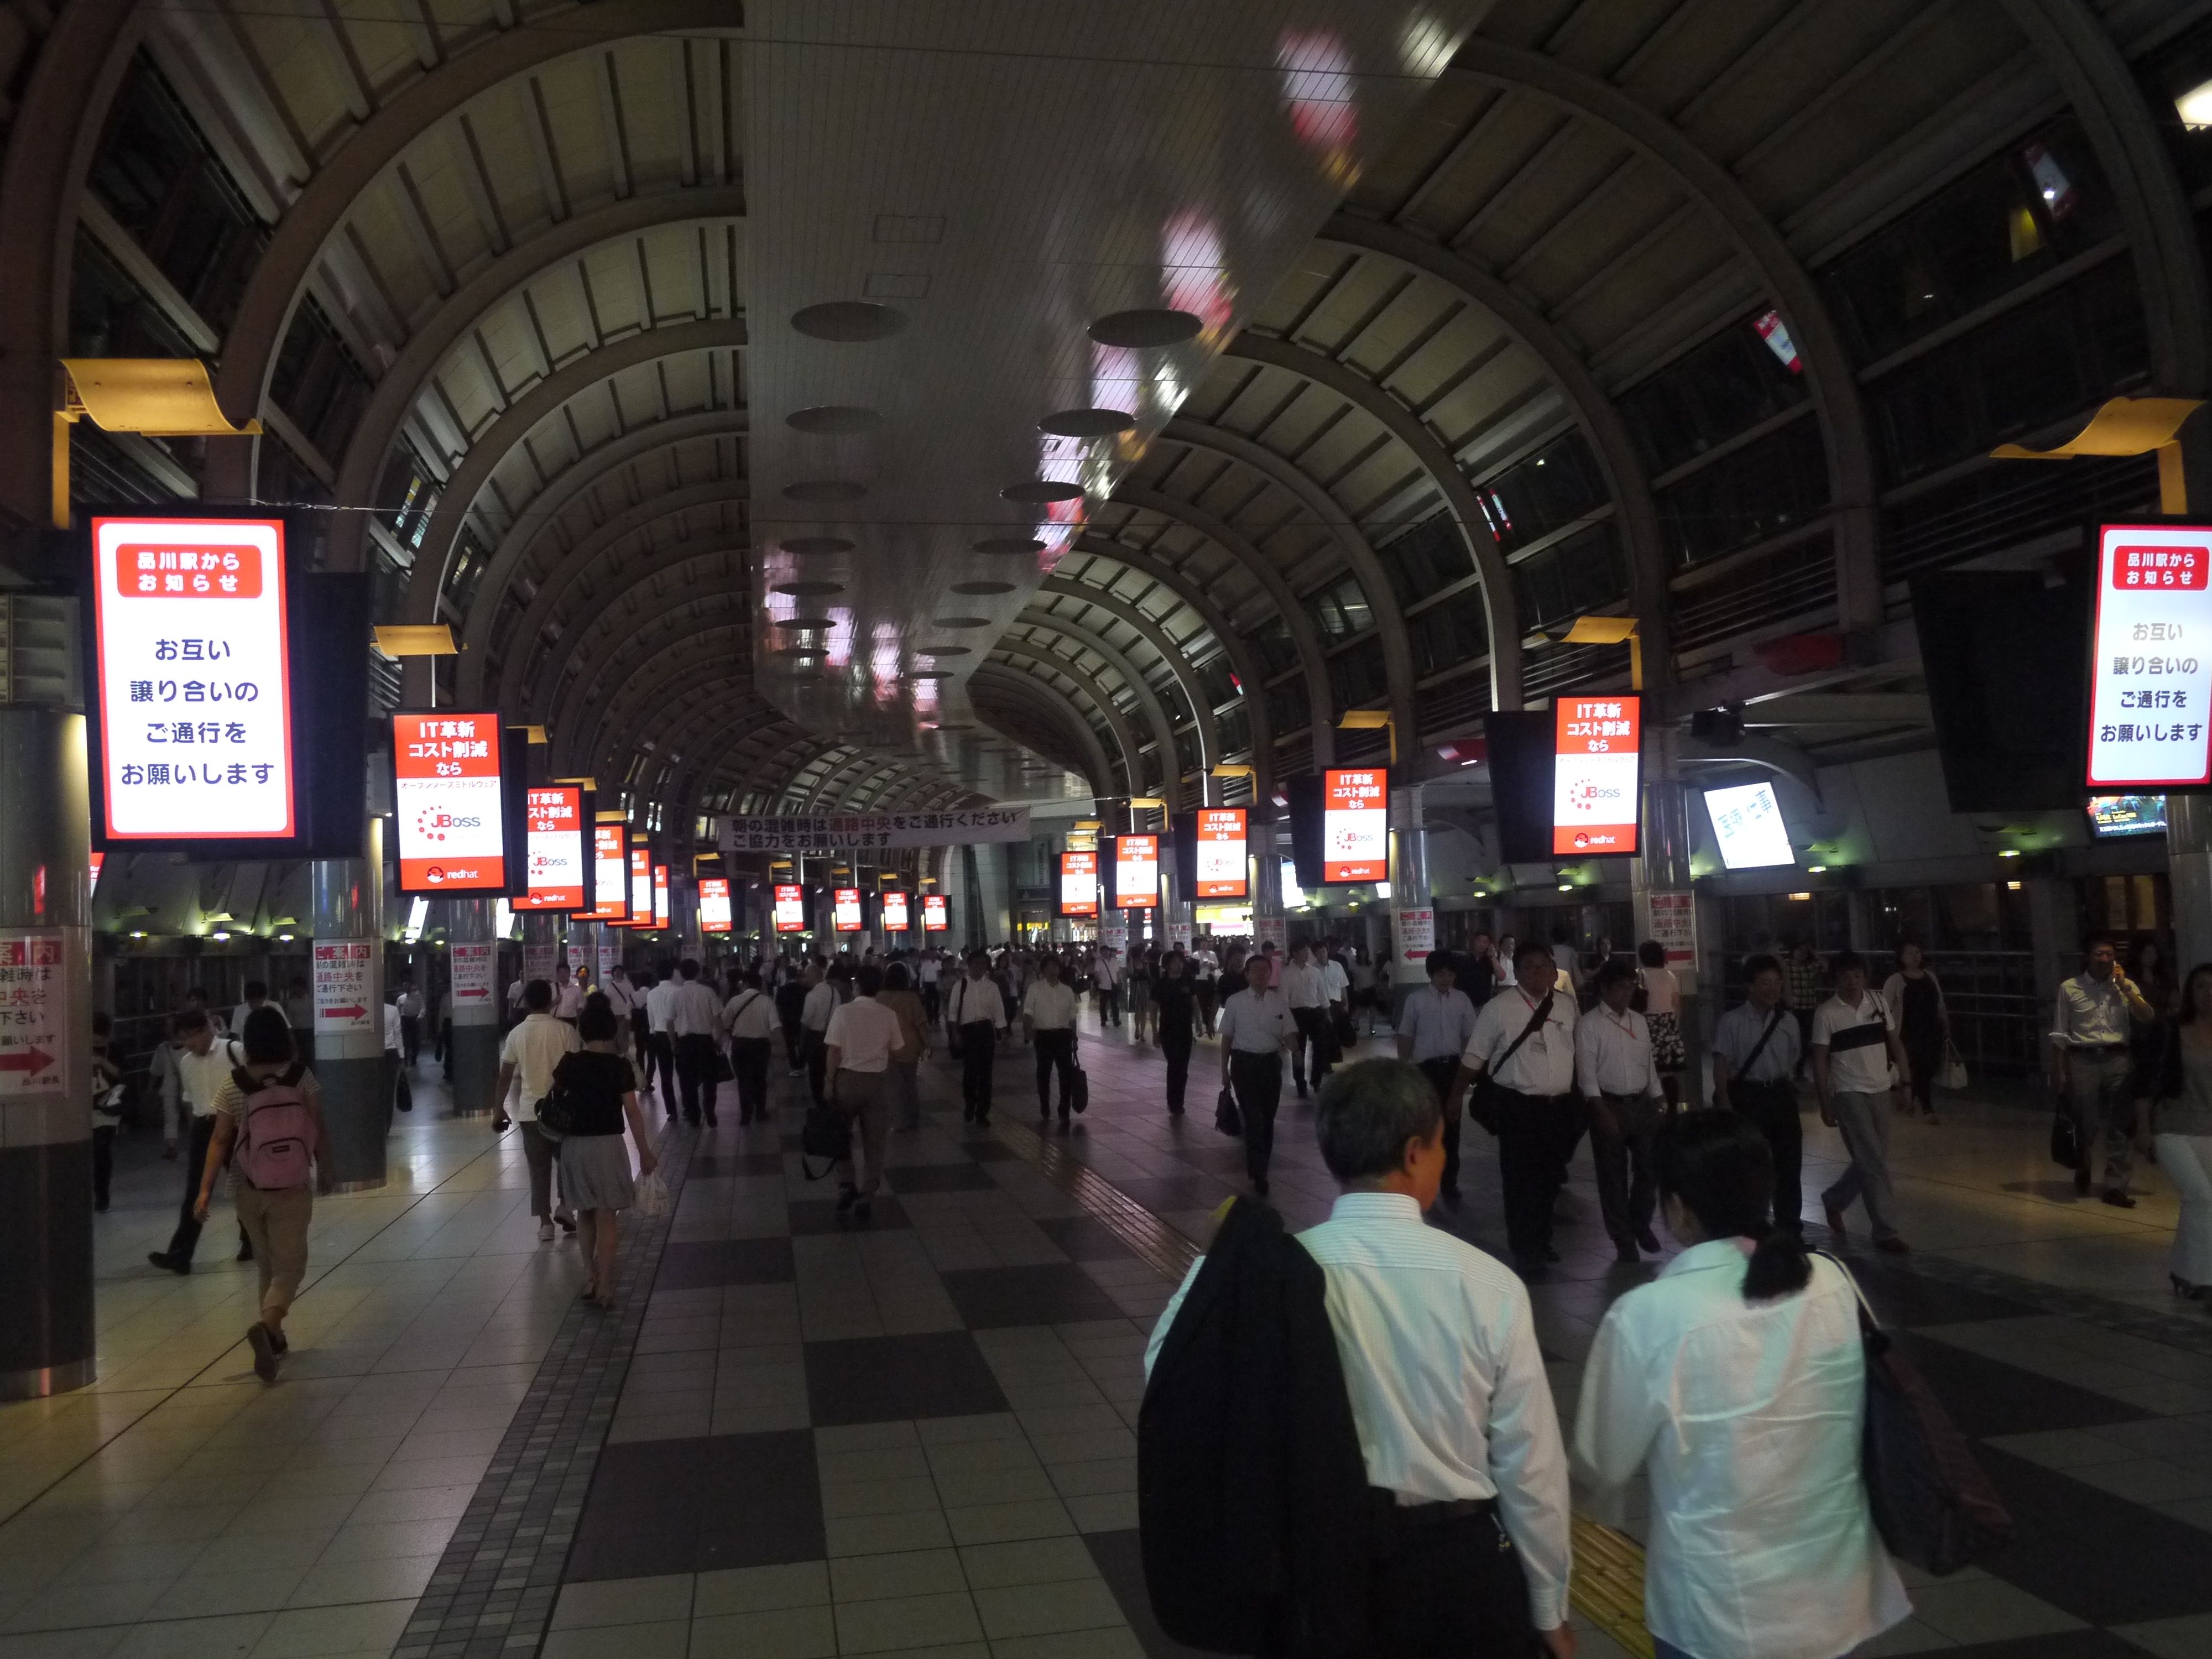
(2089, 1070)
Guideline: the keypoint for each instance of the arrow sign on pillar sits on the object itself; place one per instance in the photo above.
(346, 1013)
(29, 1061)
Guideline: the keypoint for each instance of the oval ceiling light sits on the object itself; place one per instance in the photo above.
(960, 622)
(834, 420)
(976, 589)
(1009, 545)
(806, 544)
(800, 622)
(809, 590)
(1042, 492)
(928, 674)
(1138, 329)
(943, 650)
(796, 651)
(824, 490)
(847, 321)
(1088, 423)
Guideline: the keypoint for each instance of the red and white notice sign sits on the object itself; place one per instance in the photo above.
(473, 966)
(1412, 936)
(343, 991)
(449, 809)
(34, 1017)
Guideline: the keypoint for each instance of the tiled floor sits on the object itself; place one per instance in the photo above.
(916, 1437)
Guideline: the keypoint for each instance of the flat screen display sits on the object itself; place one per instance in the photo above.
(1222, 841)
(660, 896)
(790, 908)
(1078, 884)
(1355, 825)
(553, 853)
(609, 888)
(1136, 873)
(2150, 666)
(1748, 827)
(846, 904)
(640, 887)
(935, 918)
(1597, 748)
(194, 680)
(714, 904)
(449, 804)
(2115, 816)
(897, 918)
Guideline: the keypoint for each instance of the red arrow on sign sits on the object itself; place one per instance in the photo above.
(345, 1013)
(471, 996)
(31, 1061)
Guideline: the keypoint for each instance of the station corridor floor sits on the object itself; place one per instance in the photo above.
(802, 1437)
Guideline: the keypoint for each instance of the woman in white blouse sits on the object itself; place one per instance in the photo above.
(1737, 1379)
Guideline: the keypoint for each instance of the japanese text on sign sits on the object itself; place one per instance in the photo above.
(472, 967)
(829, 832)
(610, 891)
(194, 682)
(1597, 781)
(936, 917)
(847, 909)
(1136, 872)
(449, 804)
(1078, 884)
(790, 908)
(714, 904)
(1355, 825)
(896, 916)
(34, 1026)
(553, 821)
(1221, 860)
(2151, 667)
(343, 991)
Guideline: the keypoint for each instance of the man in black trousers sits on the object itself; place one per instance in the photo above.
(975, 1014)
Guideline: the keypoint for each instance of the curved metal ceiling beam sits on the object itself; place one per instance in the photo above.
(711, 774)
(1249, 674)
(839, 779)
(1098, 770)
(632, 577)
(2081, 56)
(1501, 607)
(1155, 712)
(1169, 653)
(1626, 479)
(1828, 367)
(673, 726)
(650, 633)
(576, 563)
(603, 721)
(1359, 552)
(1132, 767)
(511, 273)
(635, 727)
(273, 293)
(1305, 639)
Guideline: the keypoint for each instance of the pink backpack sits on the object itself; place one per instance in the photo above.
(275, 1130)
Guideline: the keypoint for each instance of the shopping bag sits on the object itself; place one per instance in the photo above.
(651, 1195)
(1953, 1074)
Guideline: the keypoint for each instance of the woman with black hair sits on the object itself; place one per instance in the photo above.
(1737, 1379)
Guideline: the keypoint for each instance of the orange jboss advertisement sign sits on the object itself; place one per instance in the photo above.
(935, 917)
(554, 820)
(660, 896)
(449, 804)
(848, 906)
(640, 887)
(714, 904)
(790, 908)
(1078, 884)
(1221, 842)
(1356, 824)
(610, 880)
(894, 912)
(1597, 752)
(1136, 873)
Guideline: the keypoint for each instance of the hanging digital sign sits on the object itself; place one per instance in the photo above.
(660, 896)
(714, 904)
(193, 682)
(609, 888)
(553, 853)
(1078, 884)
(897, 919)
(1355, 824)
(1136, 873)
(935, 916)
(640, 887)
(790, 908)
(2150, 668)
(847, 904)
(1748, 827)
(1223, 837)
(448, 803)
(1597, 750)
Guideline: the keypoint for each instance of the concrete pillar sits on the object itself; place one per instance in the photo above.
(541, 948)
(2054, 926)
(2189, 877)
(1662, 874)
(346, 914)
(1413, 909)
(45, 1118)
(1268, 922)
(476, 1005)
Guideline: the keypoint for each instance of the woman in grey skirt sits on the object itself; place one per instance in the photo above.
(595, 1178)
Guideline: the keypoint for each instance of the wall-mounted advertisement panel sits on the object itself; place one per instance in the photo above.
(1596, 774)
(553, 819)
(935, 915)
(714, 904)
(790, 908)
(660, 896)
(2150, 664)
(610, 882)
(448, 802)
(1223, 839)
(1748, 827)
(193, 681)
(1078, 884)
(1136, 873)
(896, 914)
(2117, 816)
(846, 905)
(1355, 824)
(640, 887)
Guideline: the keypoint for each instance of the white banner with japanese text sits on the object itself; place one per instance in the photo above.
(829, 832)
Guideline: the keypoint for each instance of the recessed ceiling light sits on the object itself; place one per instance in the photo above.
(825, 489)
(2195, 106)
(796, 651)
(1009, 545)
(960, 622)
(1042, 492)
(833, 420)
(928, 674)
(847, 321)
(943, 650)
(1087, 422)
(808, 590)
(981, 589)
(800, 622)
(806, 545)
(1146, 328)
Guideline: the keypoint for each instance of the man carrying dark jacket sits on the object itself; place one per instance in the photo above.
(1468, 1554)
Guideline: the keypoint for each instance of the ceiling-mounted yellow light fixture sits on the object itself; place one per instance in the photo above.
(2129, 426)
(1372, 719)
(151, 397)
(1612, 630)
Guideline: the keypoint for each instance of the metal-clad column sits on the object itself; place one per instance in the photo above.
(2188, 875)
(346, 914)
(473, 956)
(46, 953)
(1413, 911)
(1268, 922)
(1665, 904)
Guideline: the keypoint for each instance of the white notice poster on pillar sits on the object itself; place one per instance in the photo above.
(34, 1027)
(1412, 936)
(473, 966)
(2151, 677)
(538, 961)
(1674, 923)
(342, 976)
(1113, 935)
(1179, 934)
(1271, 930)
(610, 953)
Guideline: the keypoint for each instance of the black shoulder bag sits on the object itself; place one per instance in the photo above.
(1482, 1099)
(1773, 1025)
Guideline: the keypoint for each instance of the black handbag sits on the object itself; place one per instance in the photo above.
(1482, 1099)
(560, 1113)
(1079, 1096)
(724, 1072)
(2065, 1141)
(826, 1134)
(1932, 1504)
(1226, 1117)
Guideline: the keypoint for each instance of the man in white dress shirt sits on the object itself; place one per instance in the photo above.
(1305, 989)
(1256, 1027)
(2092, 1032)
(1524, 1042)
(1619, 1085)
(1048, 1021)
(695, 1017)
(1433, 1032)
(975, 1014)
(814, 1015)
(750, 1018)
(1465, 1463)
